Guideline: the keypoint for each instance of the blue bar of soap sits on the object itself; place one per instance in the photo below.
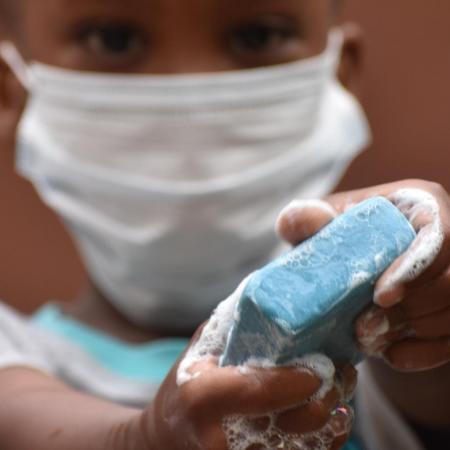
(307, 300)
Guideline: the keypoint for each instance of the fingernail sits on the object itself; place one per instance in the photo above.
(387, 296)
(341, 419)
(286, 217)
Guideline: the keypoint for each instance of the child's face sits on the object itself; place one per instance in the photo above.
(170, 36)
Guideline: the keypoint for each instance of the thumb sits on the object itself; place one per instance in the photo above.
(301, 219)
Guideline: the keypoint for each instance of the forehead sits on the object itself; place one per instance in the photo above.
(159, 6)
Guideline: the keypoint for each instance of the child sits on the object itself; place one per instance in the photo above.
(165, 139)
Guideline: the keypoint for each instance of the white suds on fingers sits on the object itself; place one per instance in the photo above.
(213, 338)
(422, 210)
(369, 335)
(241, 434)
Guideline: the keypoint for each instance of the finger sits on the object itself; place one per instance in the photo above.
(339, 426)
(339, 442)
(309, 417)
(378, 327)
(432, 326)
(346, 380)
(255, 392)
(341, 420)
(430, 298)
(427, 257)
(421, 264)
(302, 219)
(413, 355)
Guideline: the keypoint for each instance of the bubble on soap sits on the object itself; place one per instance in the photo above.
(414, 203)
(242, 434)
(307, 255)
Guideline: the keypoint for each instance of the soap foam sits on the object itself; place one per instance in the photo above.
(243, 435)
(414, 204)
(322, 367)
(368, 339)
(213, 338)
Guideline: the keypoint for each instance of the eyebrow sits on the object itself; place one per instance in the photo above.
(109, 2)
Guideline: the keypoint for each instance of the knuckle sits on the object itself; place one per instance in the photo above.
(320, 411)
(438, 189)
(191, 402)
(194, 400)
(332, 398)
(432, 187)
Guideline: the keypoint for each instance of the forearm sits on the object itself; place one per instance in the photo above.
(421, 397)
(41, 413)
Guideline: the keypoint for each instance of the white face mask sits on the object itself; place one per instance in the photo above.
(171, 184)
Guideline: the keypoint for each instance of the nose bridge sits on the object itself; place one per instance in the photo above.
(190, 42)
(195, 54)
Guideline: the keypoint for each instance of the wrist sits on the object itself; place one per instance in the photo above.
(129, 434)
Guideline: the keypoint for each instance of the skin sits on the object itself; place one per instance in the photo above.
(143, 36)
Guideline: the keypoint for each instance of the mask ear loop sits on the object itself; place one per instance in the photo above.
(335, 45)
(16, 63)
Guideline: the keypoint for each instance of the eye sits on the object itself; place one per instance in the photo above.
(113, 41)
(262, 36)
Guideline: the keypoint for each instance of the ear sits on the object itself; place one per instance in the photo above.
(12, 101)
(351, 64)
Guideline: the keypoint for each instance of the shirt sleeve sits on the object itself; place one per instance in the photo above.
(22, 343)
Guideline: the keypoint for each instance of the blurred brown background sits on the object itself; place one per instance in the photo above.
(406, 92)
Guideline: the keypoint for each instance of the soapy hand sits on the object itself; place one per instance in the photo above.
(202, 406)
(409, 325)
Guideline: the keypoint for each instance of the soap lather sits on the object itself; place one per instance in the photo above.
(307, 300)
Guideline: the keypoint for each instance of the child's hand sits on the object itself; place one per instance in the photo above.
(410, 324)
(211, 405)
